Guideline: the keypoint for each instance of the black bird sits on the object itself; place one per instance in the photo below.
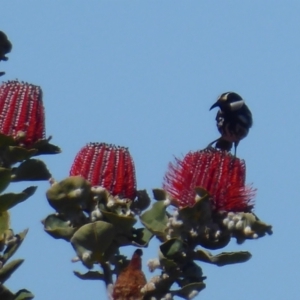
(234, 119)
(5, 47)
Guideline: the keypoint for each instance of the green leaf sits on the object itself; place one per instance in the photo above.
(142, 236)
(162, 287)
(31, 170)
(257, 225)
(121, 241)
(93, 238)
(12, 248)
(72, 193)
(9, 200)
(5, 176)
(4, 222)
(6, 140)
(172, 248)
(6, 233)
(6, 294)
(59, 228)
(90, 275)
(133, 237)
(17, 154)
(201, 211)
(155, 219)
(191, 272)
(44, 147)
(141, 202)
(121, 222)
(8, 269)
(168, 264)
(159, 194)
(23, 295)
(168, 253)
(187, 291)
(226, 258)
(214, 243)
(222, 259)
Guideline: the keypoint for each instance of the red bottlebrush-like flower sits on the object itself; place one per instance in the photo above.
(221, 174)
(131, 280)
(109, 166)
(22, 110)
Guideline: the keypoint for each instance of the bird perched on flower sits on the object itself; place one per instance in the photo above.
(234, 119)
(131, 280)
(5, 47)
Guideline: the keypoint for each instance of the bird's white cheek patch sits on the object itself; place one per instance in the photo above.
(236, 105)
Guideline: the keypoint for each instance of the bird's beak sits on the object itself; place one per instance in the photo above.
(214, 105)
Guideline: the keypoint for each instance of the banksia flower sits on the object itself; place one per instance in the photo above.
(221, 174)
(109, 166)
(22, 111)
(131, 280)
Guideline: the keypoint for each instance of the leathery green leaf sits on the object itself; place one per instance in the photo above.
(222, 259)
(5, 231)
(93, 238)
(90, 275)
(155, 219)
(72, 193)
(124, 223)
(6, 140)
(159, 194)
(44, 147)
(9, 200)
(5, 177)
(12, 248)
(189, 290)
(172, 248)
(142, 236)
(31, 170)
(17, 154)
(59, 228)
(23, 295)
(5, 293)
(9, 268)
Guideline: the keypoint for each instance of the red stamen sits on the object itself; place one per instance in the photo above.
(222, 175)
(108, 166)
(21, 109)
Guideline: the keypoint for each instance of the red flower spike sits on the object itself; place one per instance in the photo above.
(221, 174)
(22, 110)
(107, 165)
(131, 280)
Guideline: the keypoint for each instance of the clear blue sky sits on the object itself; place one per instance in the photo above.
(143, 74)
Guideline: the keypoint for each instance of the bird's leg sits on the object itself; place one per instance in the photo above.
(235, 146)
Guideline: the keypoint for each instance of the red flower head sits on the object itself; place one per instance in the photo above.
(221, 174)
(107, 165)
(22, 110)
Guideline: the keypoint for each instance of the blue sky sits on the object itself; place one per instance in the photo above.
(143, 74)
